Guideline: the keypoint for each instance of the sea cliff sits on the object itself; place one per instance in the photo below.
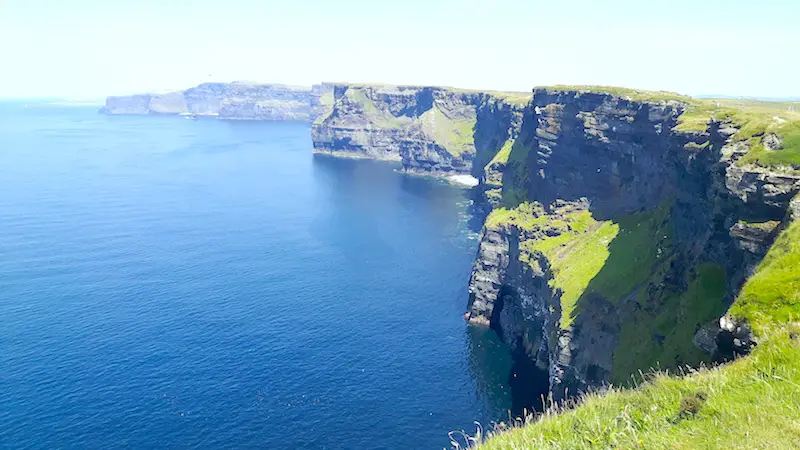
(627, 231)
(623, 225)
(626, 228)
(624, 222)
(431, 130)
(235, 100)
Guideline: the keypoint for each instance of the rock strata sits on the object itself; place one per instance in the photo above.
(680, 220)
(431, 130)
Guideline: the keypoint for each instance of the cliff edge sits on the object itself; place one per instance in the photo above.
(431, 130)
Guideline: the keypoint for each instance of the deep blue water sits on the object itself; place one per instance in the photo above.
(208, 284)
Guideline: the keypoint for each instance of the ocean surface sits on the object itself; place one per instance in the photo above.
(167, 283)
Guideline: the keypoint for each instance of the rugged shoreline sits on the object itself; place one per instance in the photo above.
(623, 223)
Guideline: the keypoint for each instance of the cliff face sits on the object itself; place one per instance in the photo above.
(230, 101)
(431, 130)
(624, 238)
(624, 223)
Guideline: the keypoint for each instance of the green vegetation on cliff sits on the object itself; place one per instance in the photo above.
(637, 95)
(501, 157)
(372, 113)
(772, 295)
(756, 122)
(326, 102)
(674, 323)
(576, 257)
(631, 263)
(753, 402)
(515, 176)
(455, 134)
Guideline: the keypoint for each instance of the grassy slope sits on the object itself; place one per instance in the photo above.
(626, 261)
(753, 402)
(327, 101)
(772, 295)
(754, 118)
(501, 157)
(455, 134)
(375, 115)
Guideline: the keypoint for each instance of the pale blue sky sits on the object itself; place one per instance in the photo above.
(88, 48)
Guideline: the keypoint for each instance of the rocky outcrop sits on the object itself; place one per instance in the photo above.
(431, 130)
(676, 224)
(231, 101)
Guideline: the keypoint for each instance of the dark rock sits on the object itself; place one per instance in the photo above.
(614, 156)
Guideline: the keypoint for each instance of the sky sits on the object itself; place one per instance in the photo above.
(90, 49)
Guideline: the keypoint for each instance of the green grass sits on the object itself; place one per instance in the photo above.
(751, 403)
(495, 196)
(662, 336)
(327, 101)
(626, 261)
(772, 295)
(576, 257)
(615, 259)
(455, 134)
(754, 119)
(768, 226)
(374, 114)
(527, 216)
(503, 154)
(493, 170)
(640, 251)
(515, 175)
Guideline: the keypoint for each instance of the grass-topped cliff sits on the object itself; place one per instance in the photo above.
(758, 124)
(640, 219)
(768, 133)
(753, 402)
(430, 129)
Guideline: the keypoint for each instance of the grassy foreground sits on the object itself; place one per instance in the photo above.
(753, 402)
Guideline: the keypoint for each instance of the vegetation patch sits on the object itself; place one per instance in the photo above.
(455, 134)
(771, 297)
(576, 257)
(616, 259)
(660, 330)
(639, 252)
(375, 115)
(755, 121)
(626, 261)
(327, 101)
(503, 154)
(515, 175)
(753, 402)
(528, 216)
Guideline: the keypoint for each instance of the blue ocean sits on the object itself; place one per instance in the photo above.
(170, 283)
